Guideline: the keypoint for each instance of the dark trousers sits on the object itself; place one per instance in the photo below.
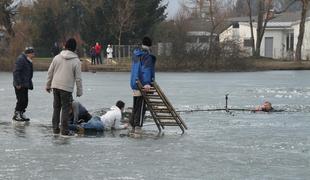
(62, 103)
(138, 111)
(22, 99)
(98, 58)
(93, 59)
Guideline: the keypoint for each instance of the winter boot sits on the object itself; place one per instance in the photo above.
(17, 116)
(138, 130)
(24, 117)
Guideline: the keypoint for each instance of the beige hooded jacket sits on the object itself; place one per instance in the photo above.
(64, 71)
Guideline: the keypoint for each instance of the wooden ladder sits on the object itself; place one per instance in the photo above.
(160, 108)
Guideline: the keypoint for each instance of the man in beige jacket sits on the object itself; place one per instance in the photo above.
(63, 73)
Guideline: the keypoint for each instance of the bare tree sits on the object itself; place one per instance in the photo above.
(6, 15)
(263, 17)
(210, 52)
(251, 26)
(122, 20)
(181, 27)
(305, 4)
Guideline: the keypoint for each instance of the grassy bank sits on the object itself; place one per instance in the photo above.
(269, 64)
(172, 65)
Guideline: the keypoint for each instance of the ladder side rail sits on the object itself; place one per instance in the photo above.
(172, 112)
(157, 122)
(176, 117)
(168, 103)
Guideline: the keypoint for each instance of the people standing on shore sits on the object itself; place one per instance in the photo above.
(93, 55)
(22, 82)
(142, 69)
(63, 73)
(55, 49)
(109, 54)
(98, 48)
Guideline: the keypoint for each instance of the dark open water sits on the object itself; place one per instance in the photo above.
(218, 145)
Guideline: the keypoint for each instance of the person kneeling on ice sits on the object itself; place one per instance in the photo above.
(265, 107)
(110, 120)
(78, 113)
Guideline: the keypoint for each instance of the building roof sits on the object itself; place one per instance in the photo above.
(283, 20)
(204, 25)
(278, 18)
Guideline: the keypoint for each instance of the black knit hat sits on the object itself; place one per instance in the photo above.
(29, 50)
(71, 44)
(146, 41)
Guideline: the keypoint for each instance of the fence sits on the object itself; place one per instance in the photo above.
(125, 51)
(119, 51)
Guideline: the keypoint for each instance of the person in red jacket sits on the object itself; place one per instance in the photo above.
(98, 48)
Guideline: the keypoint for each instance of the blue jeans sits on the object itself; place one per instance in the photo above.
(93, 124)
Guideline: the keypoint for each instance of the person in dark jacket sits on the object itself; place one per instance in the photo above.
(22, 82)
(92, 53)
(55, 49)
(142, 69)
(78, 113)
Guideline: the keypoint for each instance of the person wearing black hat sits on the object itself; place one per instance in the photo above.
(63, 73)
(22, 82)
(142, 69)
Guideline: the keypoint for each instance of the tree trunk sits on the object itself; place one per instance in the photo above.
(301, 30)
(262, 23)
(251, 26)
(259, 30)
(210, 51)
(119, 43)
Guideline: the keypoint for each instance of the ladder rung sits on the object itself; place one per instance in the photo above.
(165, 117)
(167, 120)
(161, 110)
(151, 91)
(163, 114)
(154, 97)
(156, 101)
(157, 104)
(169, 124)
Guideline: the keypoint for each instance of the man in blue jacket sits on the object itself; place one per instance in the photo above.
(22, 82)
(142, 69)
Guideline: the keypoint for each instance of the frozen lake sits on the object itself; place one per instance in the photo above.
(217, 145)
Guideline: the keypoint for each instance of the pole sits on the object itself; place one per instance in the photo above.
(226, 100)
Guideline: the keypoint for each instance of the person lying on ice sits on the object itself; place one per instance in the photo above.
(110, 120)
(265, 107)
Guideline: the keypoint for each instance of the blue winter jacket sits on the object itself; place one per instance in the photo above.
(142, 68)
(23, 72)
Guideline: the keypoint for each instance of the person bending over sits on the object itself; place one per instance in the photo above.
(78, 113)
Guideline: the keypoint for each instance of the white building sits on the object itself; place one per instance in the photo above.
(280, 37)
(199, 33)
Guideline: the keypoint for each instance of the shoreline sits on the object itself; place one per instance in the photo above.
(253, 65)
